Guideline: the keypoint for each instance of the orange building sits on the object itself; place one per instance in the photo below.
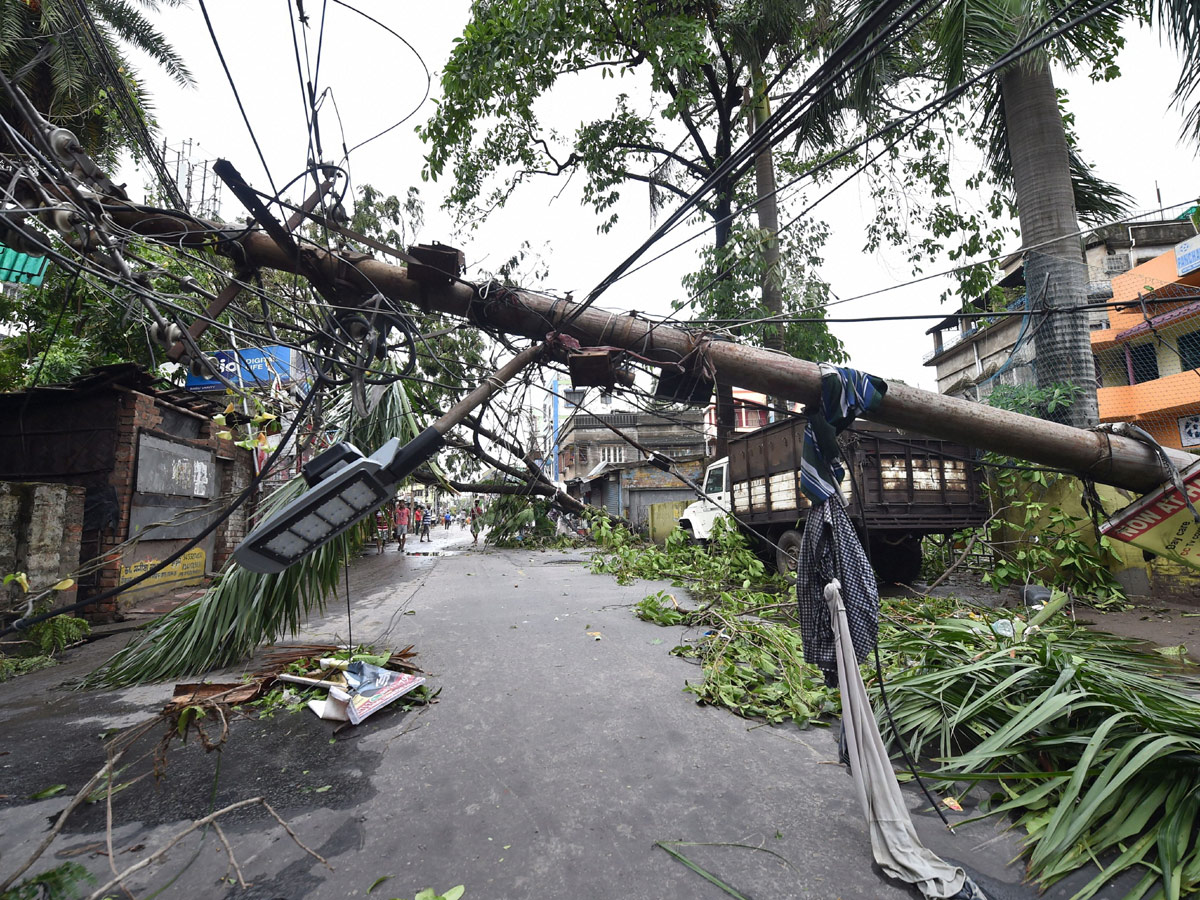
(1148, 359)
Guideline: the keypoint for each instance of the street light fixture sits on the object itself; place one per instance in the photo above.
(346, 486)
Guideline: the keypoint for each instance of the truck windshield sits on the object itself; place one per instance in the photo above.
(715, 483)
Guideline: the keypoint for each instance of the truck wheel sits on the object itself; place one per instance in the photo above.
(896, 557)
(787, 551)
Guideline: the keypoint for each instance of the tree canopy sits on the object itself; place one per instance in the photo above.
(681, 75)
(67, 56)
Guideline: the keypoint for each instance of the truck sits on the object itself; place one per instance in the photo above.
(899, 487)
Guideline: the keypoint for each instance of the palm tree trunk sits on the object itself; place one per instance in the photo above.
(1054, 264)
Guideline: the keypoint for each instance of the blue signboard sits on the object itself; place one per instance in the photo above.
(1187, 256)
(252, 368)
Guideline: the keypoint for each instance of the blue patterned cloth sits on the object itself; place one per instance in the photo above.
(829, 547)
(845, 395)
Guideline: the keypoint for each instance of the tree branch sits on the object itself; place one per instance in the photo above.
(694, 167)
(629, 63)
(200, 823)
(650, 179)
(686, 117)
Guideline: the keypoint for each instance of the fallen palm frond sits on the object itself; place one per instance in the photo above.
(1095, 743)
(669, 847)
(243, 609)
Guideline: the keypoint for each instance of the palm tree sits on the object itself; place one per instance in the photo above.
(1030, 148)
(67, 58)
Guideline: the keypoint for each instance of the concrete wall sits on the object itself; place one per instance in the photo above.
(977, 358)
(40, 528)
(191, 438)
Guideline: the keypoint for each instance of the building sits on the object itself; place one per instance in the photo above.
(628, 489)
(1146, 340)
(1149, 355)
(750, 412)
(975, 351)
(585, 440)
(561, 403)
(146, 461)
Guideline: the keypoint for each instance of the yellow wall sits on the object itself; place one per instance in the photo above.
(1158, 578)
(664, 517)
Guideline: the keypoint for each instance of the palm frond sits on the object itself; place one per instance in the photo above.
(1095, 743)
(243, 609)
(1179, 20)
(131, 26)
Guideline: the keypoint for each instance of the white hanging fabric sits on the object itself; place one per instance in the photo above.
(894, 841)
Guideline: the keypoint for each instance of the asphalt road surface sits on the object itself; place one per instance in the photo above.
(548, 768)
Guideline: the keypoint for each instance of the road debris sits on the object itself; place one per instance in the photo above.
(358, 684)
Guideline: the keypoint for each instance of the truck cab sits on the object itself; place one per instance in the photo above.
(698, 518)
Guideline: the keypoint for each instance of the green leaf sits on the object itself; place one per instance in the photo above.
(377, 882)
(48, 792)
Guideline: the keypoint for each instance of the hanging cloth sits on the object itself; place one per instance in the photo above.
(830, 547)
(845, 395)
(894, 842)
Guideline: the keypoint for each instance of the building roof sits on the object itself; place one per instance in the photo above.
(1179, 313)
(604, 467)
(129, 376)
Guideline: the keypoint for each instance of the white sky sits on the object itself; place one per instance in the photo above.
(1125, 128)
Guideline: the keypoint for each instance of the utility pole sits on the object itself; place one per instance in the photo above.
(1107, 459)
(767, 210)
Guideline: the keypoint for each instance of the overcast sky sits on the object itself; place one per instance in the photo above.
(1126, 129)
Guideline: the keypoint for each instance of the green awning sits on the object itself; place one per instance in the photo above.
(21, 267)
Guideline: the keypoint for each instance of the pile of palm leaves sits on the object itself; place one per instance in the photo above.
(1095, 743)
(518, 521)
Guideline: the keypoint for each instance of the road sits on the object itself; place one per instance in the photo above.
(547, 769)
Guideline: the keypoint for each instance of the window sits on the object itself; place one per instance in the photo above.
(612, 453)
(715, 483)
(751, 417)
(1189, 350)
(583, 454)
(1145, 362)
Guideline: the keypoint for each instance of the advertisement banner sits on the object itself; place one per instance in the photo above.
(254, 367)
(1161, 522)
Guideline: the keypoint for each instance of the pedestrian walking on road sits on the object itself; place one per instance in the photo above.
(403, 517)
(476, 523)
(381, 530)
(418, 519)
(446, 518)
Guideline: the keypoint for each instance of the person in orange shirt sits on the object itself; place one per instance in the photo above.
(403, 517)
